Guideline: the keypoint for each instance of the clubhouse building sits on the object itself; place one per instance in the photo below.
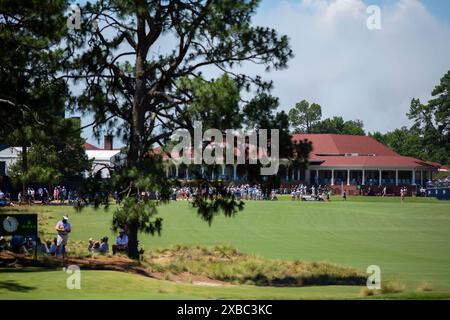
(339, 161)
(336, 160)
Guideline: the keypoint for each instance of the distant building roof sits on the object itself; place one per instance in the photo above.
(438, 165)
(88, 146)
(10, 150)
(338, 150)
(340, 144)
(101, 155)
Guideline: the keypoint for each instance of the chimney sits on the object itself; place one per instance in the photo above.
(108, 142)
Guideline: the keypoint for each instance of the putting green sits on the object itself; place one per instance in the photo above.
(409, 241)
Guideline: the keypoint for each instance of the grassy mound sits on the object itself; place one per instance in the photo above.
(217, 265)
(224, 263)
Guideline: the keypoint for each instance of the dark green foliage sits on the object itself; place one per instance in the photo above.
(432, 123)
(403, 141)
(33, 97)
(215, 103)
(304, 116)
(42, 167)
(55, 155)
(338, 125)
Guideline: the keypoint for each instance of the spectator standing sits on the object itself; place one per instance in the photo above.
(63, 228)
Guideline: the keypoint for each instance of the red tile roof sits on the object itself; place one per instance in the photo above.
(342, 144)
(335, 150)
(438, 165)
(338, 150)
(88, 146)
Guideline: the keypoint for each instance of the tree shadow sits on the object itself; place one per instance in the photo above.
(12, 285)
(26, 269)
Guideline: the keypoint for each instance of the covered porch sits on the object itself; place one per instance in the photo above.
(369, 176)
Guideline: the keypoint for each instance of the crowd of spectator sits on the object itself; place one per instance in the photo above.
(60, 195)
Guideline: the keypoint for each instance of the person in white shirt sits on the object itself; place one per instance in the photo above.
(63, 228)
(121, 242)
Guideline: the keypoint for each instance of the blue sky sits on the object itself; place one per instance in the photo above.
(439, 8)
(352, 71)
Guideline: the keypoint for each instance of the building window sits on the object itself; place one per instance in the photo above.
(2, 168)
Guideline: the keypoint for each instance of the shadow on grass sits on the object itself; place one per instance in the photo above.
(14, 286)
(300, 281)
(26, 269)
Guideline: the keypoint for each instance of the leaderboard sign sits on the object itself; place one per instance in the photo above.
(19, 224)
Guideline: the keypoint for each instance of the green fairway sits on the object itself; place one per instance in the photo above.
(116, 285)
(409, 241)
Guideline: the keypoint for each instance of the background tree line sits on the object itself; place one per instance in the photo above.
(33, 100)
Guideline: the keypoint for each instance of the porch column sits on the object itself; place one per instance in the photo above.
(234, 171)
(413, 179)
(396, 177)
(293, 173)
(421, 177)
(187, 173)
(223, 170)
(363, 182)
(167, 172)
(348, 177)
(332, 177)
(287, 173)
(298, 173)
(308, 176)
(176, 172)
(379, 177)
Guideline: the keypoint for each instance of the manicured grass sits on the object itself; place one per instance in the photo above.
(409, 241)
(117, 285)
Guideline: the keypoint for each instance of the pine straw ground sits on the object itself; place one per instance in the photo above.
(217, 265)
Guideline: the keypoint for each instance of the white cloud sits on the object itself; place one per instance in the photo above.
(355, 72)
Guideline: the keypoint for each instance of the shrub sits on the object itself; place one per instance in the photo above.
(366, 292)
(393, 286)
(225, 263)
(424, 287)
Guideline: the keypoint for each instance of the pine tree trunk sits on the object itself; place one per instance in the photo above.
(137, 129)
(133, 251)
